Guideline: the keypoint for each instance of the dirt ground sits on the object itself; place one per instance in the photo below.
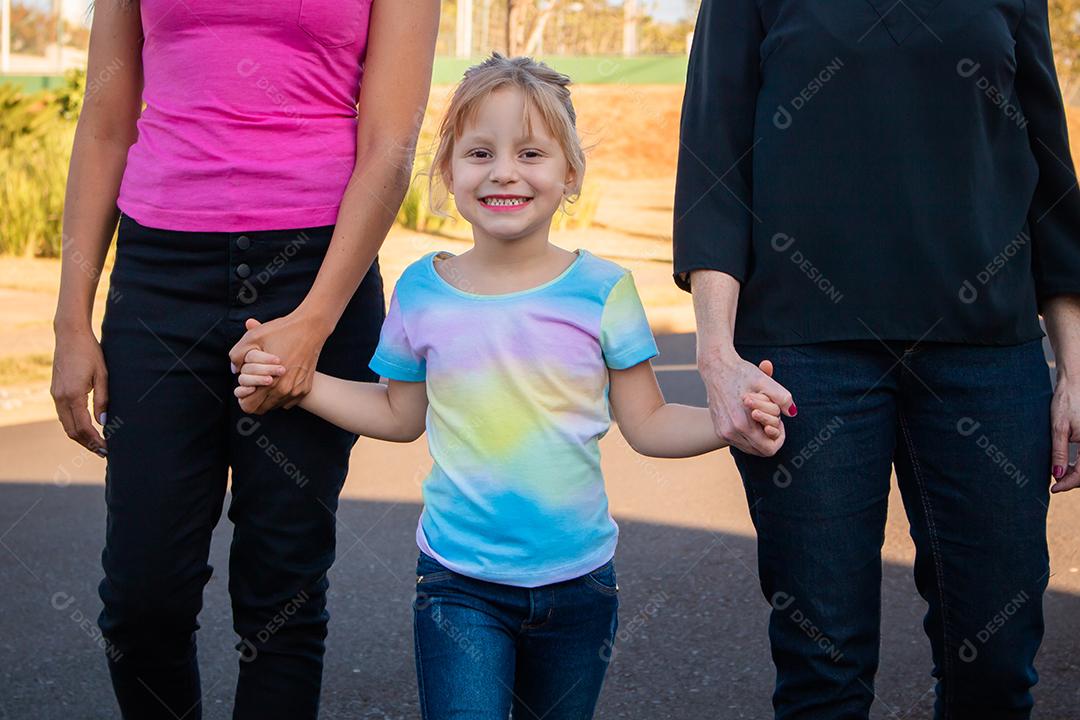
(631, 132)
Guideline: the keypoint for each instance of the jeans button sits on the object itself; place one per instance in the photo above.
(243, 242)
(242, 270)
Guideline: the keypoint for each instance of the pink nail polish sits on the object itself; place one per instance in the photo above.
(1059, 471)
(794, 410)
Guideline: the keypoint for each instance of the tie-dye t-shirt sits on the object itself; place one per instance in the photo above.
(517, 387)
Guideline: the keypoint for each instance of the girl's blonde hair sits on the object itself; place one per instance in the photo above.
(544, 89)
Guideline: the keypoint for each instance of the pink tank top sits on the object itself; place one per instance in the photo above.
(251, 113)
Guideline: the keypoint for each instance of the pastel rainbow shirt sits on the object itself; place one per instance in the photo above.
(517, 388)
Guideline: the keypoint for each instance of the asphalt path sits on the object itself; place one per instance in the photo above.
(692, 639)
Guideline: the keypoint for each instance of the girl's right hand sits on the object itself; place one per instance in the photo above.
(259, 369)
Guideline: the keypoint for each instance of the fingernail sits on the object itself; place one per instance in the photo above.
(794, 410)
(102, 452)
(101, 418)
(232, 367)
(1059, 471)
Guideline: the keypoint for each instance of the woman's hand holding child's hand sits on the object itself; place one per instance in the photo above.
(763, 410)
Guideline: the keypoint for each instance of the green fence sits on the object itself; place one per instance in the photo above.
(33, 83)
(589, 70)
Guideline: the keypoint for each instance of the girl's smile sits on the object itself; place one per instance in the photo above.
(504, 203)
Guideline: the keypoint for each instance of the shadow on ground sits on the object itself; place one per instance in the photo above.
(691, 646)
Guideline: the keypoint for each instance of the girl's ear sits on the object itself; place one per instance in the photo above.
(571, 187)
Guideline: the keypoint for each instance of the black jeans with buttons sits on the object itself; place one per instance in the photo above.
(177, 304)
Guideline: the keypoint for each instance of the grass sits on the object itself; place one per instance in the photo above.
(20, 369)
(597, 69)
(36, 135)
(33, 173)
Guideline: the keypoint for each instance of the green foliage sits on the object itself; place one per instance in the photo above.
(1065, 31)
(36, 134)
(580, 213)
(416, 214)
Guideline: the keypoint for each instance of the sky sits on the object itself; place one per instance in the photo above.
(668, 10)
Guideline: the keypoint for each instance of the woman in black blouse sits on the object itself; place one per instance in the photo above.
(879, 197)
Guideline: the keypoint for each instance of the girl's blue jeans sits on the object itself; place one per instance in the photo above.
(484, 649)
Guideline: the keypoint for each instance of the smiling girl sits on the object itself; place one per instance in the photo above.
(514, 355)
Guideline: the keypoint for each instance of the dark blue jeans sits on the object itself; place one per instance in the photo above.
(968, 431)
(483, 648)
(177, 303)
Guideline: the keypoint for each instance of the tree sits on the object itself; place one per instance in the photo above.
(525, 23)
(1065, 29)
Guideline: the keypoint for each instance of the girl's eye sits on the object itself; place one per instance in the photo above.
(484, 154)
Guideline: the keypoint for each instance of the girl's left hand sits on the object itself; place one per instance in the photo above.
(764, 411)
(297, 343)
(1065, 428)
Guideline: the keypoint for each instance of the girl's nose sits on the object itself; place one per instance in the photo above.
(503, 171)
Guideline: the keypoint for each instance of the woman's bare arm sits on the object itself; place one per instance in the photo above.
(393, 97)
(105, 130)
(1062, 315)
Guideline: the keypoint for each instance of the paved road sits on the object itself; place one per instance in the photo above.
(692, 634)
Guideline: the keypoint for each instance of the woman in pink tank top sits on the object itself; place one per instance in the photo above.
(260, 180)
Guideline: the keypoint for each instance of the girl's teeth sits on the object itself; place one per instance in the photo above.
(504, 201)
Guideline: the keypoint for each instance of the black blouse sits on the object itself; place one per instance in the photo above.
(874, 168)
